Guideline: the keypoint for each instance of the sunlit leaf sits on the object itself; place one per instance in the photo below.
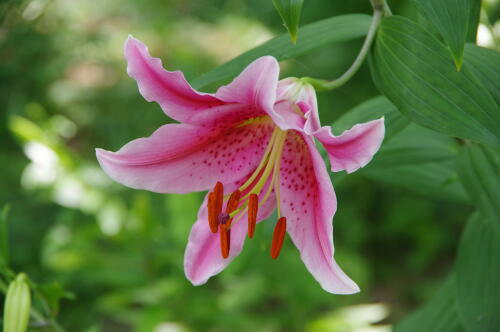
(451, 19)
(477, 280)
(289, 11)
(312, 36)
(412, 68)
(438, 315)
(479, 170)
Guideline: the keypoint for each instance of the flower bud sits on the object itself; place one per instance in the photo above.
(17, 305)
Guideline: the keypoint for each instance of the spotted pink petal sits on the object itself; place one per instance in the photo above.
(308, 202)
(203, 258)
(169, 89)
(355, 147)
(251, 94)
(180, 158)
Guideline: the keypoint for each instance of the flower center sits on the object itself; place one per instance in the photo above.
(245, 199)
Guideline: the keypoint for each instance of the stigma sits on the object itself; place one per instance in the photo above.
(249, 197)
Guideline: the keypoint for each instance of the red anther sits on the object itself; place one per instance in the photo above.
(218, 197)
(225, 240)
(234, 200)
(278, 237)
(253, 205)
(213, 222)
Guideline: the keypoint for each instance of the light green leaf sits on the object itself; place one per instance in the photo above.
(312, 36)
(370, 110)
(438, 315)
(289, 11)
(412, 68)
(477, 277)
(451, 19)
(485, 64)
(479, 170)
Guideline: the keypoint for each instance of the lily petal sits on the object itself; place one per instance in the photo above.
(168, 88)
(255, 86)
(355, 147)
(203, 258)
(308, 202)
(304, 104)
(251, 94)
(180, 158)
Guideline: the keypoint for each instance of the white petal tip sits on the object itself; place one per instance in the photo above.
(346, 289)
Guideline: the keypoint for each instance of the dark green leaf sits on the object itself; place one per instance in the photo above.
(412, 68)
(435, 179)
(485, 64)
(370, 110)
(53, 294)
(438, 315)
(451, 19)
(477, 277)
(474, 13)
(312, 36)
(420, 160)
(4, 239)
(289, 11)
(479, 170)
(415, 145)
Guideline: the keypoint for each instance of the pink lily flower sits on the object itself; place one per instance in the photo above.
(252, 142)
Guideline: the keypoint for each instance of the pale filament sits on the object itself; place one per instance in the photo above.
(271, 160)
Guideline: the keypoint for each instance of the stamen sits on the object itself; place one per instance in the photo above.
(234, 200)
(263, 161)
(213, 223)
(225, 235)
(219, 197)
(252, 214)
(278, 237)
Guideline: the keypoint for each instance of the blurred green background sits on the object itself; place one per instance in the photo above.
(113, 256)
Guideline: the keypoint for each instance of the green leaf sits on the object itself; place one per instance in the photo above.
(4, 239)
(477, 281)
(312, 36)
(420, 160)
(479, 170)
(415, 145)
(438, 315)
(372, 109)
(412, 68)
(289, 11)
(485, 64)
(437, 180)
(473, 22)
(451, 19)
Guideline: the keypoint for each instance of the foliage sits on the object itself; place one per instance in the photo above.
(101, 257)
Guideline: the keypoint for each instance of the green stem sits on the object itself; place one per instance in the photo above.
(379, 9)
